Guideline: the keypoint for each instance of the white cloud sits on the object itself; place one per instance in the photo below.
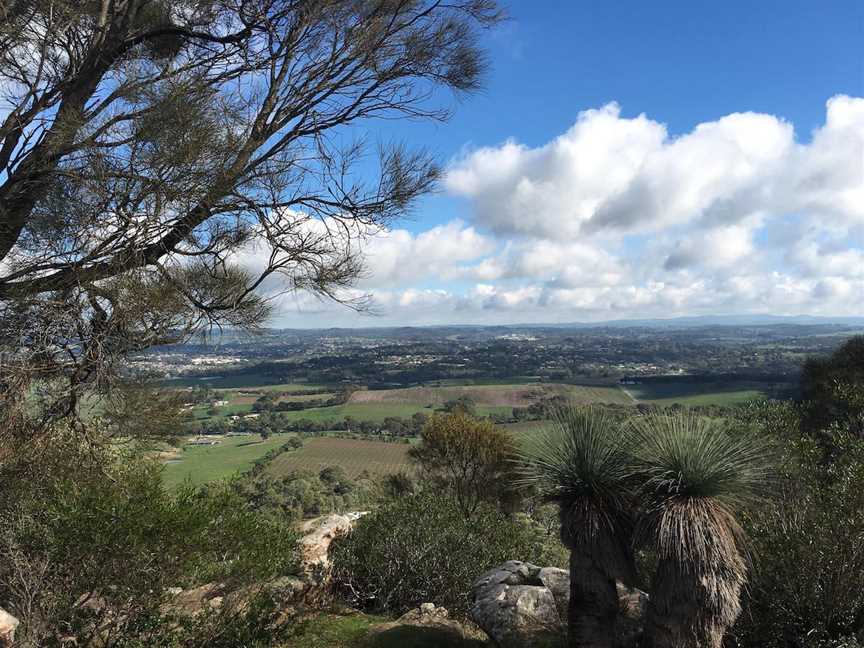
(397, 256)
(615, 218)
(609, 173)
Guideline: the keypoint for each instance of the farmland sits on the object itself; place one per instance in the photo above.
(495, 395)
(354, 456)
(201, 464)
(377, 405)
(371, 384)
(493, 398)
(695, 394)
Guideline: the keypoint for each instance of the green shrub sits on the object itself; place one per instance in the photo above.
(101, 551)
(422, 549)
(806, 583)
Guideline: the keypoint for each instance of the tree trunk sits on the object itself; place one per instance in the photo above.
(593, 603)
(690, 609)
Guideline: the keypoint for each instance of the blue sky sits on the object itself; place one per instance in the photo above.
(703, 211)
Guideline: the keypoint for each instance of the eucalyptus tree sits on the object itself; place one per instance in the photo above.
(160, 161)
(582, 463)
(695, 474)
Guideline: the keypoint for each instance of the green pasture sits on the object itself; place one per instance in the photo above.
(202, 464)
(693, 394)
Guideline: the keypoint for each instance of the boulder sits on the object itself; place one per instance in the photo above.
(425, 625)
(522, 605)
(516, 605)
(8, 625)
(317, 536)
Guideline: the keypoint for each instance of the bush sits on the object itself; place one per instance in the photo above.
(88, 552)
(805, 589)
(422, 549)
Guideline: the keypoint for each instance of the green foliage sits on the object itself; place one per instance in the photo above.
(303, 494)
(88, 550)
(471, 458)
(259, 623)
(697, 457)
(421, 549)
(806, 585)
(581, 462)
(833, 389)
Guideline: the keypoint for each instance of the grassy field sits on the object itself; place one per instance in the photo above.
(375, 411)
(201, 464)
(492, 395)
(252, 380)
(683, 393)
(354, 456)
(524, 429)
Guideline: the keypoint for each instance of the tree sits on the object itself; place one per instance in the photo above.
(694, 474)
(462, 404)
(469, 457)
(833, 389)
(581, 463)
(152, 147)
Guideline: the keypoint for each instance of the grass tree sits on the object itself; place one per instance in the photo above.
(581, 463)
(695, 473)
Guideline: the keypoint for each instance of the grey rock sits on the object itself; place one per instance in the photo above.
(515, 604)
(430, 623)
(318, 534)
(522, 605)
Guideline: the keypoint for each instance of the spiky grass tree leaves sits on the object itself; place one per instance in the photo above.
(694, 474)
(582, 463)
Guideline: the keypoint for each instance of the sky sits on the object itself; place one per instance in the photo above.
(635, 160)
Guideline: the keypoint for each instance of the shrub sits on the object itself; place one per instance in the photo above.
(807, 544)
(90, 552)
(422, 549)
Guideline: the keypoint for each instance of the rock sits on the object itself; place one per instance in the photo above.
(522, 605)
(193, 601)
(515, 604)
(8, 625)
(318, 534)
(427, 624)
(285, 590)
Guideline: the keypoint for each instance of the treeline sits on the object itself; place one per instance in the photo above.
(270, 401)
(268, 423)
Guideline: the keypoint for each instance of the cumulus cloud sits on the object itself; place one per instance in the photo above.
(616, 218)
(397, 256)
(610, 173)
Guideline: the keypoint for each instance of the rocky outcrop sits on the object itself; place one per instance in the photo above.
(520, 605)
(318, 534)
(427, 622)
(8, 625)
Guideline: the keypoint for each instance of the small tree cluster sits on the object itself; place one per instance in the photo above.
(467, 457)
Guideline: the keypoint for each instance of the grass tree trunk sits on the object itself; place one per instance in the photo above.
(596, 565)
(593, 604)
(691, 609)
